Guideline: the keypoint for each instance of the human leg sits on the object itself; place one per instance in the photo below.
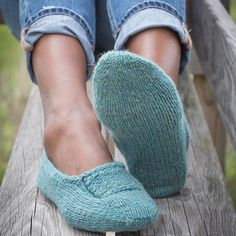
(131, 19)
(57, 62)
(59, 45)
(144, 111)
(70, 122)
(160, 45)
(72, 139)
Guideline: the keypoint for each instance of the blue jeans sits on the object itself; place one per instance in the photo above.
(29, 20)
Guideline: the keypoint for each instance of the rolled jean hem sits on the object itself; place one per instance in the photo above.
(155, 18)
(56, 24)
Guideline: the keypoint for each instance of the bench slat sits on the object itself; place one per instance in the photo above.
(24, 211)
(214, 37)
(203, 207)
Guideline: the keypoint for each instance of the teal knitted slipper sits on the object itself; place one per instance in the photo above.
(105, 198)
(141, 107)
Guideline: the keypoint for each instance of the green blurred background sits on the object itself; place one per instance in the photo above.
(14, 90)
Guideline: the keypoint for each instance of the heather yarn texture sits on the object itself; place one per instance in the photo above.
(105, 198)
(141, 107)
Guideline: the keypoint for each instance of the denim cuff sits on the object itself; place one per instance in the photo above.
(58, 24)
(150, 18)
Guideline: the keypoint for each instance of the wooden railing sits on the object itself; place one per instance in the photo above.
(214, 37)
(203, 207)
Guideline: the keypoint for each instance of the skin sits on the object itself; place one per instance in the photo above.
(72, 136)
(161, 46)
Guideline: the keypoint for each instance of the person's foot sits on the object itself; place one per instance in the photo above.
(73, 140)
(105, 198)
(137, 101)
(77, 174)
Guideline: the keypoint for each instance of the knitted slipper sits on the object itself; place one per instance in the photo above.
(105, 198)
(141, 107)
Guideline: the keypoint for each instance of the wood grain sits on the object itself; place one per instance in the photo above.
(202, 208)
(212, 116)
(214, 37)
(24, 210)
(209, 106)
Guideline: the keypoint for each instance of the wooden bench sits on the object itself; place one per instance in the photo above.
(203, 207)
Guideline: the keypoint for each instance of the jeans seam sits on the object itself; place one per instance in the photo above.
(111, 18)
(149, 4)
(60, 11)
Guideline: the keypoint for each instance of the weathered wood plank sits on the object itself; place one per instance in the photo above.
(25, 211)
(203, 207)
(209, 106)
(214, 37)
(213, 119)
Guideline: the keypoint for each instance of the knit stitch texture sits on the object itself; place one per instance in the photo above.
(105, 198)
(140, 105)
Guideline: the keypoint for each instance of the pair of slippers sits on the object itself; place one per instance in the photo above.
(140, 106)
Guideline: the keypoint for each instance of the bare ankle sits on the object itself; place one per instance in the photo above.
(61, 123)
